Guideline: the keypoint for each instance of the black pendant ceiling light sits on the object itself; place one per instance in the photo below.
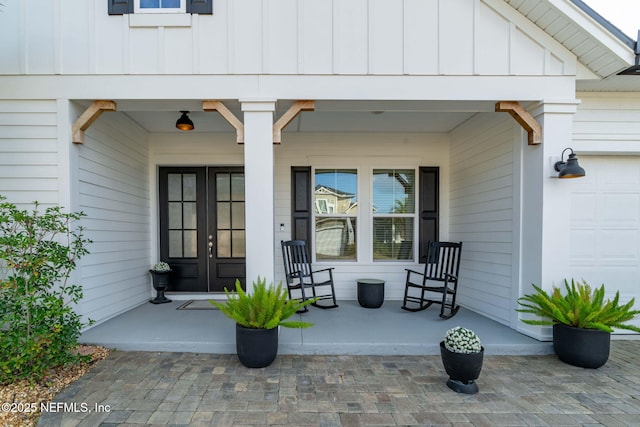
(184, 122)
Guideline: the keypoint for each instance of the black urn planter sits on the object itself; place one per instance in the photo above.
(160, 284)
(463, 369)
(256, 348)
(586, 348)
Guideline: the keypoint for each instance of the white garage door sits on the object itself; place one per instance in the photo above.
(605, 226)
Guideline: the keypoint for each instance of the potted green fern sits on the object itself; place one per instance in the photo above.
(582, 320)
(258, 316)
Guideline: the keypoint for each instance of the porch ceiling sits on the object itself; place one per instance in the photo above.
(329, 116)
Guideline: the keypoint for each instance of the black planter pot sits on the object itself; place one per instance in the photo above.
(256, 348)
(463, 369)
(586, 348)
(160, 284)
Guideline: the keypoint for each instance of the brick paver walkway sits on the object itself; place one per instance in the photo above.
(208, 389)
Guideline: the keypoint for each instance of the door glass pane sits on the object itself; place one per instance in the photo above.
(175, 244)
(190, 218)
(189, 187)
(393, 191)
(190, 244)
(223, 186)
(392, 239)
(224, 215)
(224, 244)
(237, 242)
(175, 215)
(335, 238)
(175, 186)
(237, 215)
(237, 187)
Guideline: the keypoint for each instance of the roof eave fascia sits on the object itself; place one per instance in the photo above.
(617, 32)
(615, 41)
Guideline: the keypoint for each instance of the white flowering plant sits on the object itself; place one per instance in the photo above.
(462, 340)
(161, 267)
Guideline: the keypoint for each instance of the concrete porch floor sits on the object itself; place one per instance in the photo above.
(348, 329)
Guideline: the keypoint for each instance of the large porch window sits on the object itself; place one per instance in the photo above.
(391, 217)
(393, 211)
(335, 200)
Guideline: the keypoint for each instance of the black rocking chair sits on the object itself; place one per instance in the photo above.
(440, 277)
(301, 278)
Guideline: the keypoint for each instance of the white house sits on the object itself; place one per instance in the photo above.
(443, 119)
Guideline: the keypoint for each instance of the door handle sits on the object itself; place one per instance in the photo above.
(210, 249)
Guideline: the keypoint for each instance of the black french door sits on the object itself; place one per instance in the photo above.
(202, 228)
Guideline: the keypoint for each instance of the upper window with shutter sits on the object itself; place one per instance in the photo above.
(122, 7)
(159, 6)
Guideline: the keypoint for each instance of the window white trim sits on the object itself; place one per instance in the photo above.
(159, 20)
(365, 216)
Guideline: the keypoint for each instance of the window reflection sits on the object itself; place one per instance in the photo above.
(393, 191)
(336, 191)
(336, 208)
(335, 238)
(392, 239)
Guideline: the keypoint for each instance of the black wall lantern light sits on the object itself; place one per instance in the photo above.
(184, 122)
(570, 168)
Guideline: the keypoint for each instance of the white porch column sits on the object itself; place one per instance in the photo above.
(546, 206)
(259, 191)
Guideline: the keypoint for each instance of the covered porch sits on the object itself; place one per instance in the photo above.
(348, 329)
(481, 155)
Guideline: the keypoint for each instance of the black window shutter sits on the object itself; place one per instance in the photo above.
(203, 7)
(120, 7)
(429, 208)
(301, 203)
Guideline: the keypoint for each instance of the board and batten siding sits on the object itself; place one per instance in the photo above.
(29, 152)
(355, 37)
(364, 152)
(482, 213)
(114, 191)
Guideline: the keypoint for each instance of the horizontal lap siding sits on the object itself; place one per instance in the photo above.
(29, 152)
(607, 123)
(114, 192)
(363, 151)
(481, 198)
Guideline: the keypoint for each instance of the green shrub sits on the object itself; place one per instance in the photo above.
(580, 308)
(265, 308)
(39, 329)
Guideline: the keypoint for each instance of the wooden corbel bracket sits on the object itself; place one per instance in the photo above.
(288, 116)
(87, 118)
(228, 116)
(526, 120)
